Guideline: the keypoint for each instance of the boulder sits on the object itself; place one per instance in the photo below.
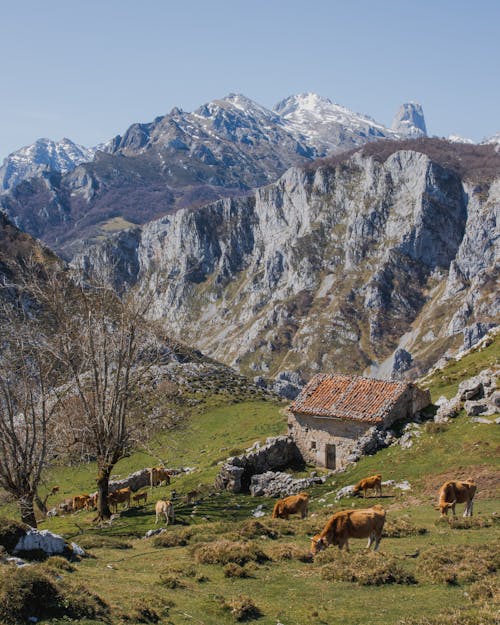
(51, 544)
(471, 388)
(447, 410)
(473, 408)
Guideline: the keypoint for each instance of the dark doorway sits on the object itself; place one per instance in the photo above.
(330, 457)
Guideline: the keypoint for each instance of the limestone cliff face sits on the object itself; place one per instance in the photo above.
(335, 266)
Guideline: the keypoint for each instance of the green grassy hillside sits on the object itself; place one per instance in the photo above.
(428, 571)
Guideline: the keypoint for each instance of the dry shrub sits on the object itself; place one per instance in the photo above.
(435, 428)
(486, 589)
(99, 541)
(369, 568)
(225, 551)
(31, 592)
(171, 581)
(10, 533)
(143, 613)
(402, 527)
(243, 608)
(472, 523)
(58, 563)
(256, 529)
(460, 564)
(484, 616)
(289, 551)
(235, 570)
(178, 538)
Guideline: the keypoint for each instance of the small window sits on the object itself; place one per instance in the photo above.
(313, 444)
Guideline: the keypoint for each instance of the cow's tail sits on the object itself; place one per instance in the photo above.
(276, 510)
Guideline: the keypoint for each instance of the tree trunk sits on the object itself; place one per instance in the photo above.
(103, 511)
(42, 505)
(27, 510)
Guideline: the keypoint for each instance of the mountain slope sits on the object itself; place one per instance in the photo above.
(334, 266)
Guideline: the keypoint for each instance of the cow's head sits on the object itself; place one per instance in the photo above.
(318, 544)
(445, 506)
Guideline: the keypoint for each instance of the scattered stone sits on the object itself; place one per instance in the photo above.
(481, 420)
(154, 532)
(347, 491)
(258, 512)
(473, 408)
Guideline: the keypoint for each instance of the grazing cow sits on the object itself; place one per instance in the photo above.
(140, 497)
(79, 502)
(374, 481)
(91, 503)
(122, 495)
(454, 492)
(367, 523)
(159, 475)
(165, 508)
(295, 504)
(66, 505)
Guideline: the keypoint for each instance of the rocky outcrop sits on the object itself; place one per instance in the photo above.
(475, 332)
(35, 541)
(375, 439)
(236, 473)
(477, 396)
(333, 267)
(409, 121)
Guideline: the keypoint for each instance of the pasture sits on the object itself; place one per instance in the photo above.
(219, 565)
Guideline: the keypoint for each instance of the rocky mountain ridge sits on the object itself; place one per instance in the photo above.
(336, 266)
(223, 149)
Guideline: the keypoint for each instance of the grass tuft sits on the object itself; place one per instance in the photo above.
(458, 565)
(367, 569)
(225, 551)
(401, 528)
(178, 538)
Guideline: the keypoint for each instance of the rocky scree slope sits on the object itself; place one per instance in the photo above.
(336, 266)
(223, 149)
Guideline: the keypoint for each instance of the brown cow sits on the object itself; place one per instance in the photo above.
(165, 508)
(140, 497)
(454, 492)
(91, 503)
(374, 481)
(351, 524)
(295, 504)
(122, 495)
(158, 475)
(79, 502)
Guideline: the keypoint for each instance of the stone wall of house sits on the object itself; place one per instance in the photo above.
(312, 435)
(410, 402)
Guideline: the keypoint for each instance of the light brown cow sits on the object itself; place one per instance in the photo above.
(91, 502)
(454, 492)
(158, 475)
(79, 502)
(165, 508)
(374, 482)
(122, 495)
(367, 523)
(295, 504)
(140, 497)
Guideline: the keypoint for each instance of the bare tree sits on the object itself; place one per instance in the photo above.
(27, 408)
(108, 351)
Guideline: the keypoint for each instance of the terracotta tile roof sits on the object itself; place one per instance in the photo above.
(349, 397)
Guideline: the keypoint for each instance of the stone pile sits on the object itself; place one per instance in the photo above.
(375, 438)
(279, 452)
(279, 484)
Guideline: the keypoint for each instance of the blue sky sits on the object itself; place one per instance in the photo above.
(88, 69)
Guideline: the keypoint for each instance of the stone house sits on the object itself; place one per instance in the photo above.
(333, 411)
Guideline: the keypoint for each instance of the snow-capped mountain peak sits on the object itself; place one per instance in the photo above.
(43, 155)
(409, 121)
